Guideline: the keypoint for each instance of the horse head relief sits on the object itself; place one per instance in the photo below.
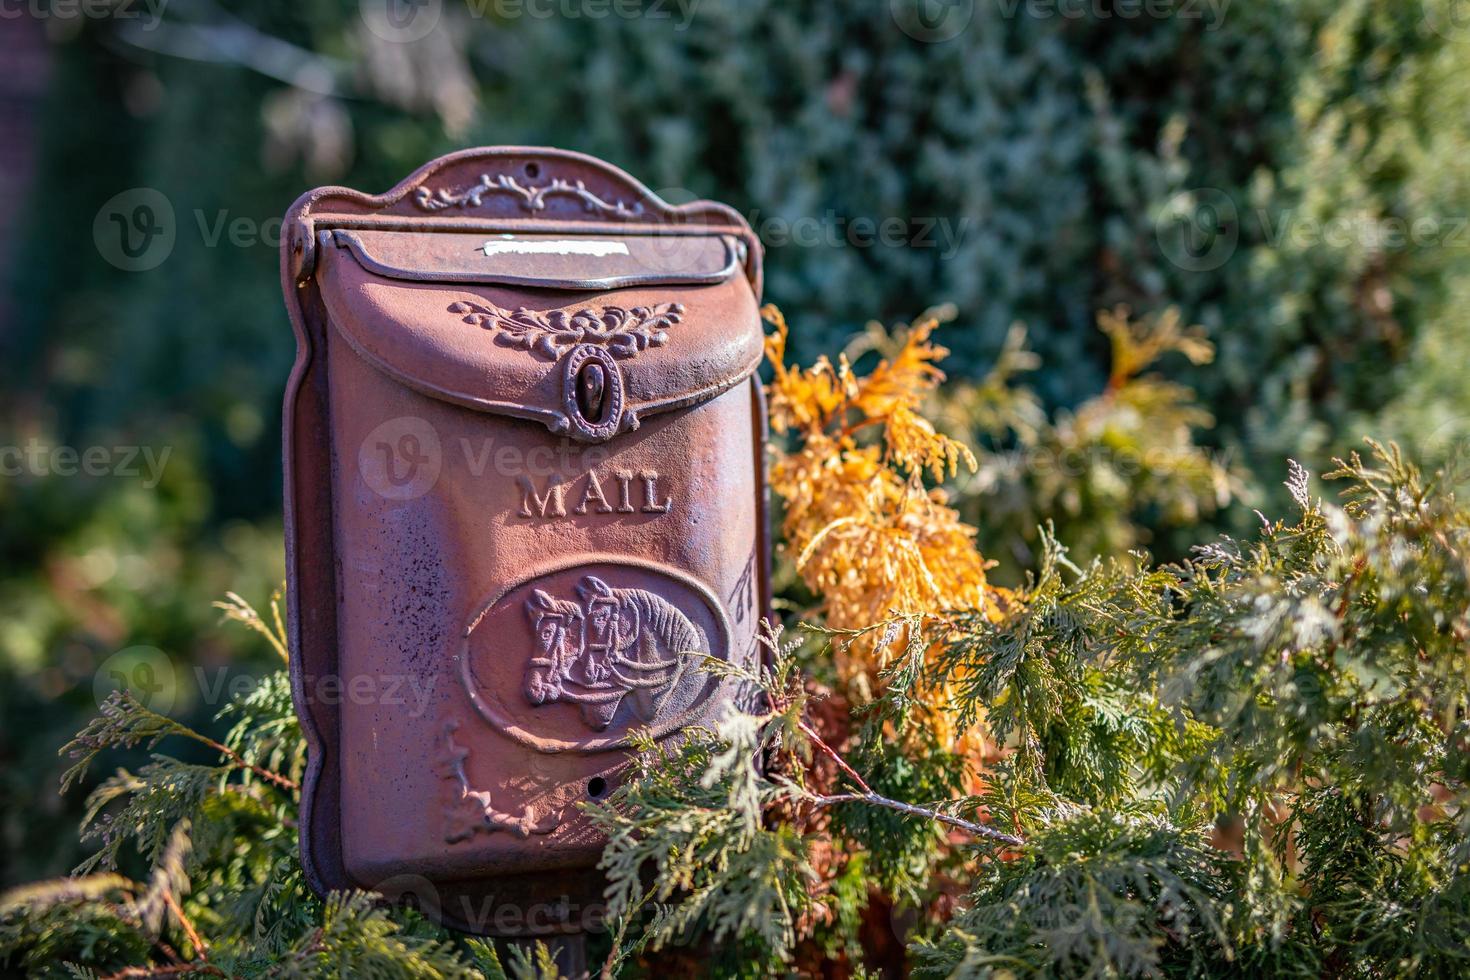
(608, 645)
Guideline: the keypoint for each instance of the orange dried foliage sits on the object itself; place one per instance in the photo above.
(867, 535)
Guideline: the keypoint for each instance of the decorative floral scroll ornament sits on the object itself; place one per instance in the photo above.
(469, 811)
(532, 198)
(623, 332)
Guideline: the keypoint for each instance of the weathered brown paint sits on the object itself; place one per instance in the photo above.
(523, 457)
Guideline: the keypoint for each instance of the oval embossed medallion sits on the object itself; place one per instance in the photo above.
(577, 656)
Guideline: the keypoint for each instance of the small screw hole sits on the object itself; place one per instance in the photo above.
(596, 786)
(533, 170)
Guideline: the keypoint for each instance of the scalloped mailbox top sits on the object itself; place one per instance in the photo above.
(516, 189)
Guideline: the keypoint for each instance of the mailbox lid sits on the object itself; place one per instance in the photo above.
(508, 323)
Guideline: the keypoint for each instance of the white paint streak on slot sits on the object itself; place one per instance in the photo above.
(555, 247)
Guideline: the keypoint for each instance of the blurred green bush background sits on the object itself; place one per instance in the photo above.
(1291, 176)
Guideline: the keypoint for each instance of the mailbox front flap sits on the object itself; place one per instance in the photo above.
(584, 334)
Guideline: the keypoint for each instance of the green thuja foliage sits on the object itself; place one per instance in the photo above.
(1119, 893)
(1250, 762)
(223, 894)
(693, 816)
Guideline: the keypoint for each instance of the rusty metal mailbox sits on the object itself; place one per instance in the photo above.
(524, 501)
